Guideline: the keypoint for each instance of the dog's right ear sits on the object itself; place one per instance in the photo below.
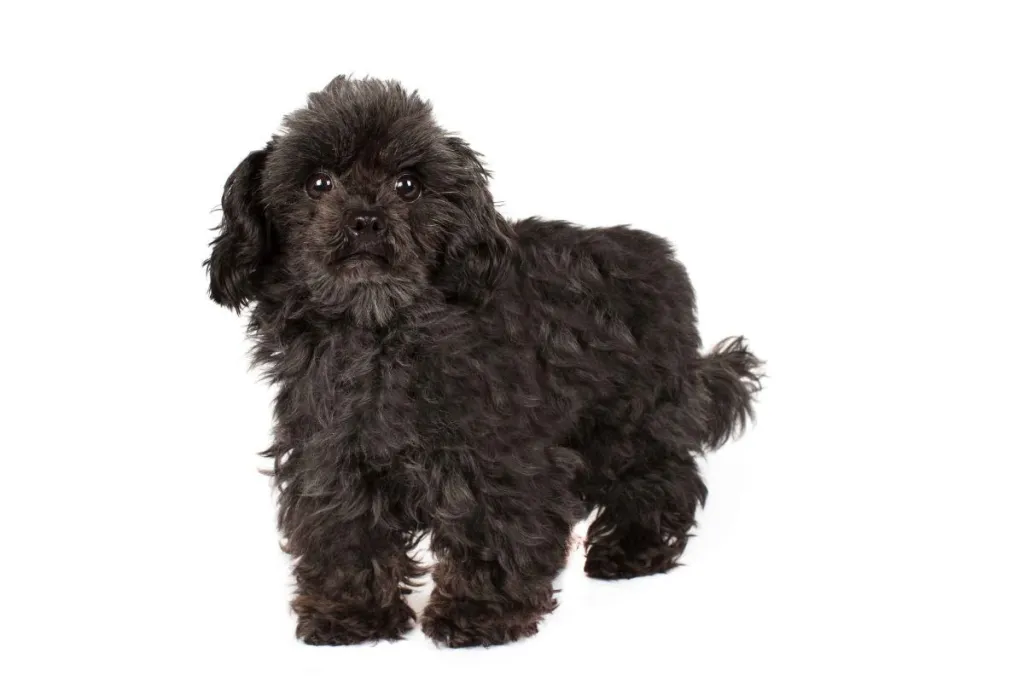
(243, 245)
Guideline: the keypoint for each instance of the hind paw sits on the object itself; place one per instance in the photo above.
(613, 562)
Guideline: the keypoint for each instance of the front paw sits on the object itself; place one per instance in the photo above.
(463, 622)
(328, 623)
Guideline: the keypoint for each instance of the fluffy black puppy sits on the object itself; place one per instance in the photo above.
(443, 370)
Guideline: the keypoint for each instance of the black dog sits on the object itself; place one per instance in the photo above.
(443, 370)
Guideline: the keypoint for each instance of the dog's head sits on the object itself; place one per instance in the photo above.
(357, 205)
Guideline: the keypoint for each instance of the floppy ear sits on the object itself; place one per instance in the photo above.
(242, 248)
(477, 254)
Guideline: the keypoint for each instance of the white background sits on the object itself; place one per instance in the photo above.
(843, 181)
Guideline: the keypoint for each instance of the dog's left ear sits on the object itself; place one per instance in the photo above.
(478, 253)
(242, 248)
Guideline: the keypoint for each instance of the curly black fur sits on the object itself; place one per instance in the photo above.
(455, 373)
(731, 376)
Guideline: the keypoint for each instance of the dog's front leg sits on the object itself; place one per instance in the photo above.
(499, 545)
(350, 581)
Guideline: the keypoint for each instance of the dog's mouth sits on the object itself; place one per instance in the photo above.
(372, 254)
(363, 256)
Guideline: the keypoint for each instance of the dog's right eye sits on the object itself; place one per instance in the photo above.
(319, 184)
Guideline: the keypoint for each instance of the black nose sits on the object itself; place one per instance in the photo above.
(365, 224)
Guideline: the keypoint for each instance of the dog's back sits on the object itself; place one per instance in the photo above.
(626, 282)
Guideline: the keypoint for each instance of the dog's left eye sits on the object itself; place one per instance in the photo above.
(408, 187)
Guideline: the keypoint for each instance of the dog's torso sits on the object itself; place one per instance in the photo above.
(568, 346)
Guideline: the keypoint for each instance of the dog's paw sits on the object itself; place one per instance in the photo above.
(612, 562)
(465, 623)
(325, 623)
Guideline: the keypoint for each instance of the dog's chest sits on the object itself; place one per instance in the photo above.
(359, 397)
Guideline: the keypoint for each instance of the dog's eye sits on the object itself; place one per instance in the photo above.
(319, 184)
(408, 187)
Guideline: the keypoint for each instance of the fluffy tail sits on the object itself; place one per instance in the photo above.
(731, 375)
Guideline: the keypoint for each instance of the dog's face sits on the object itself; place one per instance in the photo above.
(354, 207)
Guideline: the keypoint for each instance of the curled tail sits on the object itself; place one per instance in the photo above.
(731, 377)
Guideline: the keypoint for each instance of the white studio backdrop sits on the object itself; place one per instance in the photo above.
(842, 180)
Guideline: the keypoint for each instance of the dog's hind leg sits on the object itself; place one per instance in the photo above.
(647, 497)
(644, 478)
